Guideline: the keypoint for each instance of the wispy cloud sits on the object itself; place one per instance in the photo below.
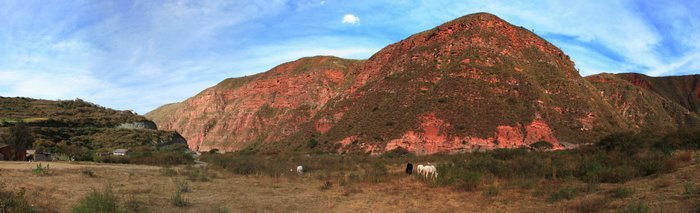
(142, 54)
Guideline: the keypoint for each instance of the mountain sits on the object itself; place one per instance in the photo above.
(79, 128)
(473, 83)
(684, 90)
(647, 110)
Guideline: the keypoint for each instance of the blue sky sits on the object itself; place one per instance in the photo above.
(141, 54)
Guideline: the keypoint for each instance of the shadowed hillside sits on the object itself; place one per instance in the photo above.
(78, 130)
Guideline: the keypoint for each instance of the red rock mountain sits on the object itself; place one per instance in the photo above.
(473, 83)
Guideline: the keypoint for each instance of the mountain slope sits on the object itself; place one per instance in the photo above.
(684, 90)
(648, 110)
(473, 83)
(263, 107)
(79, 129)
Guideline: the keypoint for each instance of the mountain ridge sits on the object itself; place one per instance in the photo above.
(473, 83)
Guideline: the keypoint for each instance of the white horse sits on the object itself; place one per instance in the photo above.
(300, 170)
(430, 172)
(419, 169)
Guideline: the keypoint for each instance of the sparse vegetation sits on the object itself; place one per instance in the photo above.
(566, 193)
(11, 201)
(637, 207)
(179, 200)
(88, 173)
(105, 201)
(40, 170)
(620, 193)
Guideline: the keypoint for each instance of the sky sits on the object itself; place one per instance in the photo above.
(138, 55)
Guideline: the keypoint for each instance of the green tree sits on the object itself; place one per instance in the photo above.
(19, 137)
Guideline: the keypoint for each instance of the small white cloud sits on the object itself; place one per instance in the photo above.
(351, 19)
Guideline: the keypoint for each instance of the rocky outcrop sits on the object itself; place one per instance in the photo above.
(432, 138)
(474, 83)
(139, 125)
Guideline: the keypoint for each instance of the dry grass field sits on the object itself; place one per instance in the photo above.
(150, 188)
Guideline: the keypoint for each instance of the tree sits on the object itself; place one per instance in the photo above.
(541, 146)
(20, 137)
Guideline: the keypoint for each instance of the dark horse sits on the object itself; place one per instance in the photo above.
(409, 168)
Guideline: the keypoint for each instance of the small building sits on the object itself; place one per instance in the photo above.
(120, 152)
(6, 153)
(34, 155)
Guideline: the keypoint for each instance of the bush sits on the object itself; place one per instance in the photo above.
(396, 153)
(95, 201)
(589, 205)
(637, 207)
(541, 145)
(89, 173)
(182, 186)
(490, 192)
(567, 193)
(377, 172)
(627, 142)
(178, 200)
(39, 170)
(620, 193)
(470, 181)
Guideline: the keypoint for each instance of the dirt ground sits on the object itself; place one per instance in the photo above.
(66, 183)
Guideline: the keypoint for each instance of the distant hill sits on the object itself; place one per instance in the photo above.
(684, 90)
(80, 129)
(473, 83)
(646, 109)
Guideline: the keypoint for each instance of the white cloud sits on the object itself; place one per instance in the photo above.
(351, 19)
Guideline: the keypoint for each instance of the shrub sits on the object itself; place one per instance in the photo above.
(688, 189)
(636, 207)
(39, 170)
(312, 143)
(620, 193)
(95, 201)
(490, 192)
(567, 193)
(396, 153)
(178, 200)
(182, 186)
(89, 173)
(470, 181)
(627, 142)
(541, 145)
(326, 185)
(589, 205)
(377, 172)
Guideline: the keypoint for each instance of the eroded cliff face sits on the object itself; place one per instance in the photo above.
(470, 84)
(432, 137)
(259, 108)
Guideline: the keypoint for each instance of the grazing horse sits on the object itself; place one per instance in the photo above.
(409, 168)
(430, 172)
(419, 169)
